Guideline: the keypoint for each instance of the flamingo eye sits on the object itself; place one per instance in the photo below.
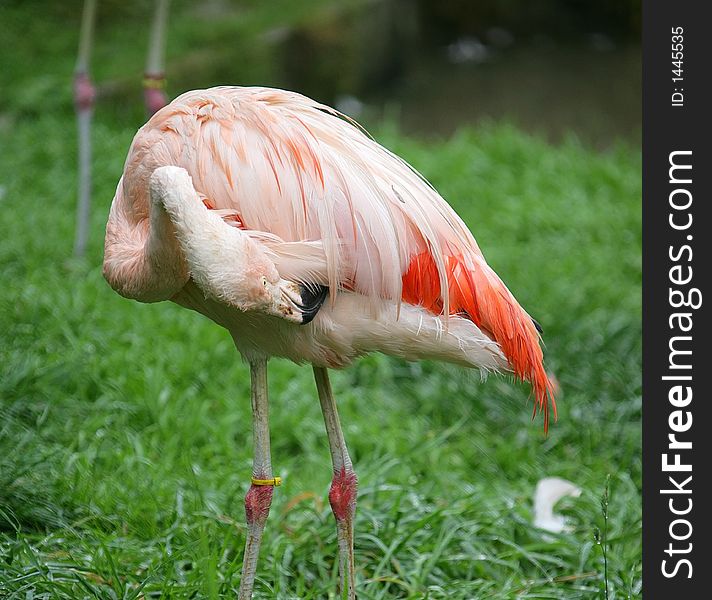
(264, 282)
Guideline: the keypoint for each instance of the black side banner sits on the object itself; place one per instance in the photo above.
(677, 362)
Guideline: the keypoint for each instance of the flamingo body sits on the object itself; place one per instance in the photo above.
(327, 205)
(284, 222)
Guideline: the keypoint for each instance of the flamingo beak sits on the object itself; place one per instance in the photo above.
(312, 299)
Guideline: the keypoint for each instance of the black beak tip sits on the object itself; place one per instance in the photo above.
(313, 297)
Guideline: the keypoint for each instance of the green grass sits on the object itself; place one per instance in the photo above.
(125, 444)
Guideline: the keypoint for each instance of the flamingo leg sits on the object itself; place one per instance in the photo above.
(259, 496)
(154, 79)
(84, 95)
(344, 485)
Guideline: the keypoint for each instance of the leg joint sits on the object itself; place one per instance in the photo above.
(342, 494)
(257, 503)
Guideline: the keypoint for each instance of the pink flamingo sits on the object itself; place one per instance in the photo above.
(284, 222)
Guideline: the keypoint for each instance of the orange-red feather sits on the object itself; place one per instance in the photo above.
(480, 294)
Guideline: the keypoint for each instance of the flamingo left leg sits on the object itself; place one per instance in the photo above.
(259, 496)
(154, 81)
(344, 485)
(84, 96)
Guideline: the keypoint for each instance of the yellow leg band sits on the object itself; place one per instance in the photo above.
(275, 481)
(154, 83)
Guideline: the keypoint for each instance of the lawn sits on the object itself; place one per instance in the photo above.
(125, 429)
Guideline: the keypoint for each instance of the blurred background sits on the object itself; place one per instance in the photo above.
(551, 67)
(125, 428)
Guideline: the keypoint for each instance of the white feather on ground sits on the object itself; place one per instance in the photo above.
(548, 492)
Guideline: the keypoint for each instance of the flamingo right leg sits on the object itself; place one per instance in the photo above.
(259, 496)
(344, 485)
